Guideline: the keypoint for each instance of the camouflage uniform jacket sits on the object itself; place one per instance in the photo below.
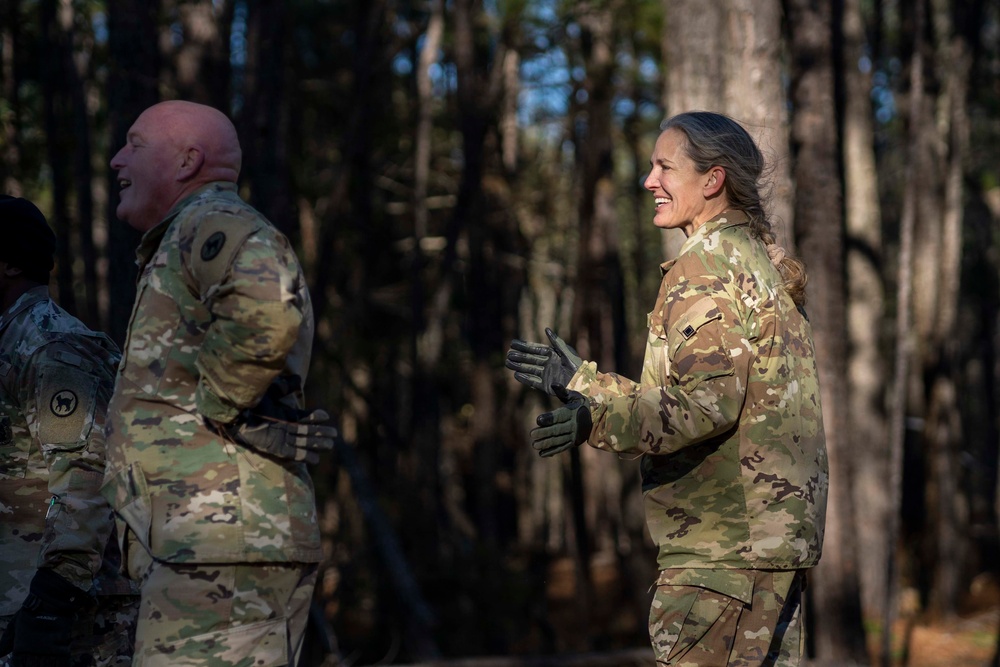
(222, 309)
(56, 377)
(726, 416)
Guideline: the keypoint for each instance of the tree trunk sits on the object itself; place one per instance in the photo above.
(903, 334)
(839, 637)
(203, 72)
(133, 72)
(950, 519)
(598, 327)
(10, 80)
(865, 307)
(56, 81)
(742, 80)
(265, 115)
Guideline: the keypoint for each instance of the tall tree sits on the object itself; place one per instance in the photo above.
(10, 80)
(742, 80)
(57, 80)
(133, 76)
(266, 116)
(904, 336)
(201, 61)
(865, 303)
(955, 28)
(820, 232)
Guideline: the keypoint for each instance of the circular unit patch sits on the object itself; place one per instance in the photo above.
(63, 403)
(213, 246)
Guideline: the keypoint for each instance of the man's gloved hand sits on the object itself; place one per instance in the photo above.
(39, 635)
(274, 428)
(565, 427)
(540, 366)
(303, 438)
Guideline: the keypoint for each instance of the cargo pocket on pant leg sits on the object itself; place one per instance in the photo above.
(263, 644)
(692, 626)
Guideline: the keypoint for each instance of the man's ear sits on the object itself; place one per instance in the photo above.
(715, 179)
(11, 271)
(191, 162)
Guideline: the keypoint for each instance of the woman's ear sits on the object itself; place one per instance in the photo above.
(715, 179)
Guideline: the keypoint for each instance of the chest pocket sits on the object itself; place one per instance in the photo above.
(152, 329)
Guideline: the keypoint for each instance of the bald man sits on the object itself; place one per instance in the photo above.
(207, 437)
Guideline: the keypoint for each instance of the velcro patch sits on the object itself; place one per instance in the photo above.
(217, 240)
(212, 246)
(65, 408)
(700, 314)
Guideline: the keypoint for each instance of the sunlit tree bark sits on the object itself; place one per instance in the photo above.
(865, 307)
(904, 336)
(725, 56)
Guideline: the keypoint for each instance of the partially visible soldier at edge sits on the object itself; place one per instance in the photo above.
(63, 600)
(208, 440)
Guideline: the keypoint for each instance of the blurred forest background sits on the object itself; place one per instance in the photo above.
(458, 173)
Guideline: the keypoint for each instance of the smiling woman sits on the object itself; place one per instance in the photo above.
(726, 418)
(686, 198)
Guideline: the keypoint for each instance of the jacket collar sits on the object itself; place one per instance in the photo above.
(734, 218)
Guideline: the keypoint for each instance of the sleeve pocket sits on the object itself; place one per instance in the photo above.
(65, 409)
(695, 341)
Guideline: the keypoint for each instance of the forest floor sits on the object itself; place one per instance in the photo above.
(968, 641)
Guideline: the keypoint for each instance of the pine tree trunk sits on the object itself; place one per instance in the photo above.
(865, 309)
(839, 635)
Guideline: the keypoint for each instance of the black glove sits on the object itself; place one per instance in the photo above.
(39, 635)
(302, 437)
(275, 429)
(565, 427)
(540, 366)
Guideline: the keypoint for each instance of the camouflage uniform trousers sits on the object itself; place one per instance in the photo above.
(220, 615)
(103, 634)
(690, 626)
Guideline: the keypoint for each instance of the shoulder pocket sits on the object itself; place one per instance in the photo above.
(695, 340)
(216, 241)
(704, 312)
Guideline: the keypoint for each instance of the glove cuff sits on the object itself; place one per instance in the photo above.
(52, 593)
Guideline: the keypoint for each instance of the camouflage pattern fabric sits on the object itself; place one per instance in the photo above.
(56, 377)
(196, 615)
(726, 416)
(103, 634)
(691, 625)
(222, 310)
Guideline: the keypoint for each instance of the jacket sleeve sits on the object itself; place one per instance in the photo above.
(251, 286)
(68, 400)
(709, 366)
